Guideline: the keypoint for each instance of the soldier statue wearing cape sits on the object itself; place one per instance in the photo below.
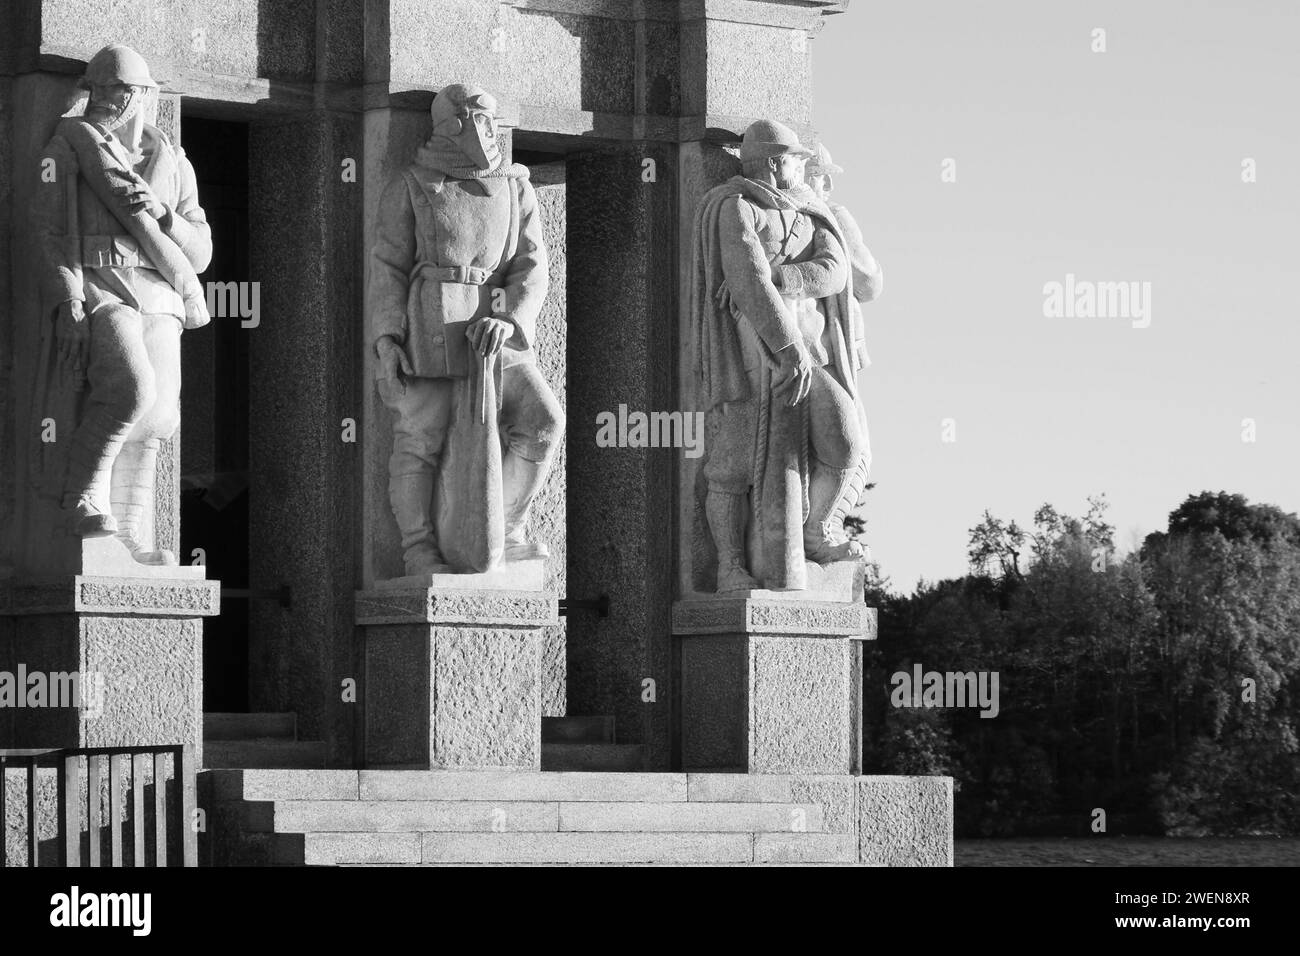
(779, 345)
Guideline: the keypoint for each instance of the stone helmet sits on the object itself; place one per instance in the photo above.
(459, 101)
(767, 138)
(464, 121)
(821, 164)
(117, 65)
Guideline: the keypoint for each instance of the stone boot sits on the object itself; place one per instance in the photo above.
(412, 499)
(727, 515)
(521, 480)
(134, 477)
(831, 492)
(94, 447)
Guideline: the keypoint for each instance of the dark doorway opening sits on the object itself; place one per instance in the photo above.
(214, 410)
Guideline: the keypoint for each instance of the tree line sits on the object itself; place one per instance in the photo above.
(1160, 686)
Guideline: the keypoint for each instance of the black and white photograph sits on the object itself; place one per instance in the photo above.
(649, 435)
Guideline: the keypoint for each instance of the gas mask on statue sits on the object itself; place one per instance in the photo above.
(119, 109)
(472, 130)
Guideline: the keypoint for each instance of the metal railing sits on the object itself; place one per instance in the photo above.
(173, 821)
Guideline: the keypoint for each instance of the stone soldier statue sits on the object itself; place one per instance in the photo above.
(459, 275)
(778, 351)
(122, 238)
(867, 277)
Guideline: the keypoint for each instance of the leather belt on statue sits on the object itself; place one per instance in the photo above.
(99, 252)
(466, 275)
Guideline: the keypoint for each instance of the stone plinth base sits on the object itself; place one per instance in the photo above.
(453, 677)
(134, 646)
(771, 686)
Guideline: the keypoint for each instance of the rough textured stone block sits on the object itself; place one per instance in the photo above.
(769, 704)
(239, 37)
(455, 698)
(905, 821)
(837, 797)
(138, 640)
(799, 705)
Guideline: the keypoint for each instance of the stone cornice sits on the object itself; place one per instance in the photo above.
(100, 595)
(758, 616)
(483, 608)
(791, 13)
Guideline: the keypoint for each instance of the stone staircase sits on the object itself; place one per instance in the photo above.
(258, 741)
(586, 743)
(430, 818)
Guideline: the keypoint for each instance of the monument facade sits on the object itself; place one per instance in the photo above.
(456, 233)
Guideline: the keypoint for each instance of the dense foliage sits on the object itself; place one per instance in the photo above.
(1161, 686)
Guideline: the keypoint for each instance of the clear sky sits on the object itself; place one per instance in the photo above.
(1117, 166)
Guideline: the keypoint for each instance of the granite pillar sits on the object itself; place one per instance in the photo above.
(304, 456)
(453, 669)
(771, 682)
(135, 644)
(623, 349)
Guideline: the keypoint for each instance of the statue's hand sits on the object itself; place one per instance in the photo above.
(796, 365)
(488, 335)
(723, 297)
(393, 362)
(139, 197)
(72, 335)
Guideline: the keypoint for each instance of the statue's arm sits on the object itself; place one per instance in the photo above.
(748, 274)
(868, 278)
(391, 261)
(825, 273)
(187, 224)
(527, 279)
(58, 249)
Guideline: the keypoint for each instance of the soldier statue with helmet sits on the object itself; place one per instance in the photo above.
(458, 277)
(121, 239)
(779, 346)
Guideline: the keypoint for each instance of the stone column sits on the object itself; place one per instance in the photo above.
(303, 383)
(771, 682)
(453, 669)
(623, 266)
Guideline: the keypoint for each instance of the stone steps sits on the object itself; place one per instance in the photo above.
(448, 816)
(610, 758)
(432, 818)
(416, 849)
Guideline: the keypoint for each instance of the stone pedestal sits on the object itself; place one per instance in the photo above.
(771, 682)
(135, 644)
(453, 670)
